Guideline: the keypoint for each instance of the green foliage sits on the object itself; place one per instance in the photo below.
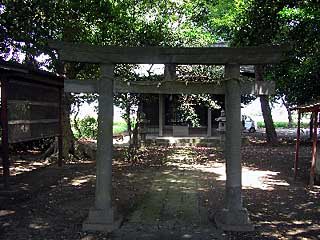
(88, 127)
(300, 73)
(27, 25)
(206, 22)
(295, 24)
(284, 125)
(119, 127)
(186, 114)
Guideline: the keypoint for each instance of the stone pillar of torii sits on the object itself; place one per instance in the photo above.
(234, 216)
(101, 215)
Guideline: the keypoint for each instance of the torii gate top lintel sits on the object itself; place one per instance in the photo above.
(75, 52)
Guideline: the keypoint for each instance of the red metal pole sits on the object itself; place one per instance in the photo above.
(297, 147)
(314, 149)
(60, 142)
(5, 136)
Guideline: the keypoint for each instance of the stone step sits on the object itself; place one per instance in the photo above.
(186, 141)
(189, 141)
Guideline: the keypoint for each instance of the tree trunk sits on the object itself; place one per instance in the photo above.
(134, 143)
(70, 33)
(75, 121)
(266, 110)
(67, 134)
(290, 121)
(135, 132)
(268, 121)
(128, 121)
(68, 138)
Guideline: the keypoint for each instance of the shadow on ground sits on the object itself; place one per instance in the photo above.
(168, 194)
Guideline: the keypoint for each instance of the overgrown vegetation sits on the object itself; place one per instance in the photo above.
(87, 128)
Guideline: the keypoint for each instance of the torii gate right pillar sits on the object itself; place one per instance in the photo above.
(234, 217)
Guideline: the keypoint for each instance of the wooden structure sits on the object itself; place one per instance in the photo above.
(234, 216)
(314, 109)
(163, 118)
(30, 108)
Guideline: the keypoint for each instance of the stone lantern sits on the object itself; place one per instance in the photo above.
(222, 121)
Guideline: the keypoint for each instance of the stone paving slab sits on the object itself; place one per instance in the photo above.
(148, 232)
(171, 210)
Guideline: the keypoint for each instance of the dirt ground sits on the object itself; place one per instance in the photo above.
(47, 202)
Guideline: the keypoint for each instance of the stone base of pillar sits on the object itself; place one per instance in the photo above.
(233, 220)
(101, 220)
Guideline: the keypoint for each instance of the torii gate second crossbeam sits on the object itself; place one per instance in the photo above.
(234, 217)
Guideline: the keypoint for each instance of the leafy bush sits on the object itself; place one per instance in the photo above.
(260, 124)
(281, 124)
(88, 127)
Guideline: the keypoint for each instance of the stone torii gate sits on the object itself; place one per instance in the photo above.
(234, 216)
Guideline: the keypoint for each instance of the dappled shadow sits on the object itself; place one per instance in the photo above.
(193, 178)
(283, 212)
(278, 159)
(52, 202)
(20, 166)
(280, 207)
(175, 206)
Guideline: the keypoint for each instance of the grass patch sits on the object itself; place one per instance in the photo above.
(283, 124)
(119, 127)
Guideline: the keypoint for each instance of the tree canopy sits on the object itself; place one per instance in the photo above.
(27, 25)
(293, 24)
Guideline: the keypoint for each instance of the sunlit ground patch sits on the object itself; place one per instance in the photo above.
(39, 223)
(6, 212)
(81, 180)
(21, 166)
(251, 177)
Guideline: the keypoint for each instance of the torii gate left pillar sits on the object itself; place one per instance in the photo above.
(101, 216)
(234, 217)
